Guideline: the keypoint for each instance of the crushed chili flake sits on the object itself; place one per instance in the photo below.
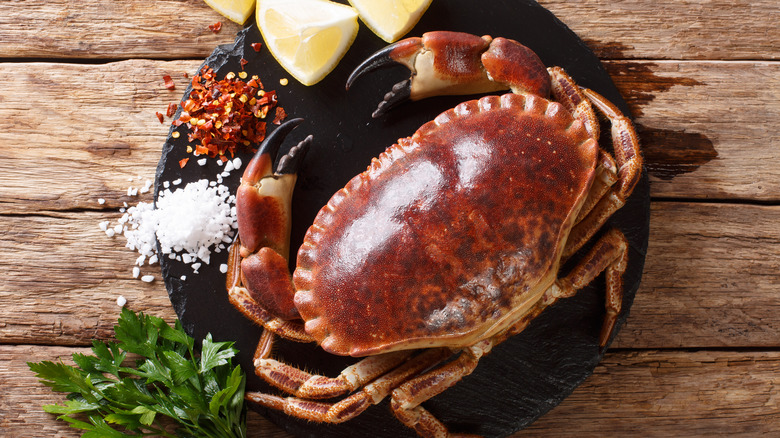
(224, 114)
(183, 162)
(243, 63)
(160, 117)
(279, 116)
(216, 27)
(257, 46)
(171, 109)
(169, 82)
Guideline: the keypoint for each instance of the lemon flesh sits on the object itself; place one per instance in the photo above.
(390, 19)
(307, 37)
(237, 11)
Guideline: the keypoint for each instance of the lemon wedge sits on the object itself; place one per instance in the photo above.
(390, 19)
(234, 10)
(307, 37)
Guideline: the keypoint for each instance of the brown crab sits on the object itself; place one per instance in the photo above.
(449, 243)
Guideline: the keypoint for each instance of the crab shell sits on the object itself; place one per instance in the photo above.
(451, 235)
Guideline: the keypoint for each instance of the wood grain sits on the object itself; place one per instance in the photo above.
(702, 286)
(712, 29)
(710, 279)
(672, 393)
(710, 129)
(92, 29)
(59, 265)
(649, 393)
(170, 29)
(92, 128)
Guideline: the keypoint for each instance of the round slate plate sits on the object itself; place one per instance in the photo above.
(522, 378)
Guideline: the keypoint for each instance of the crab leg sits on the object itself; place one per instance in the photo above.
(568, 93)
(625, 143)
(606, 177)
(350, 407)
(610, 254)
(246, 304)
(407, 398)
(305, 385)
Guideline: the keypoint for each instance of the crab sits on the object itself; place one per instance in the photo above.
(448, 244)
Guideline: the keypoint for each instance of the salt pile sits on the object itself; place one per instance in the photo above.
(189, 222)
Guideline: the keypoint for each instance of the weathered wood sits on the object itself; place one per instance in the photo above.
(171, 29)
(710, 130)
(665, 394)
(66, 125)
(167, 29)
(652, 393)
(710, 279)
(63, 277)
(712, 29)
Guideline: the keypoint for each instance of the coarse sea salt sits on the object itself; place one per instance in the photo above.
(187, 222)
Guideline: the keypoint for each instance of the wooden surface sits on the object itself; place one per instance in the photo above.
(700, 354)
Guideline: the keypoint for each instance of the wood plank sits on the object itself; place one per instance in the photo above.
(710, 130)
(665, 394)
(167, 29)
(694, 29)
(171, 29)
(653, 393)
(697, 144)
(63, 278)
(92, 128)
(710, 279)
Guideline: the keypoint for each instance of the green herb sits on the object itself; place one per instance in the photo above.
(203, 393)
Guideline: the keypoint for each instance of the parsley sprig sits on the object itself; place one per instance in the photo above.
(202, 393)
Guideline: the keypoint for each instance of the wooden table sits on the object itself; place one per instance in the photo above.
(700, 354)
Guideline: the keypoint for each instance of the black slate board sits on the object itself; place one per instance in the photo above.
(522, 378)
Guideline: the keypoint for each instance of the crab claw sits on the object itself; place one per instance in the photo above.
(264, 197)
(455, 63)
(263, 204)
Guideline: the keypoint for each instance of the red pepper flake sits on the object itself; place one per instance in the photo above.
(183, 162)
(243, 62)
(216, 27)
(169, 82)
(279, 116)
(171, 109)
(160, 117)
(225, 115)
(257, 46)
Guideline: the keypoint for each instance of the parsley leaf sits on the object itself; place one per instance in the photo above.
(203, 393)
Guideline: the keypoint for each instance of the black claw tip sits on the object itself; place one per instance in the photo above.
(274, 140)
(291, 161)
(378, 60)
(397, 95)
